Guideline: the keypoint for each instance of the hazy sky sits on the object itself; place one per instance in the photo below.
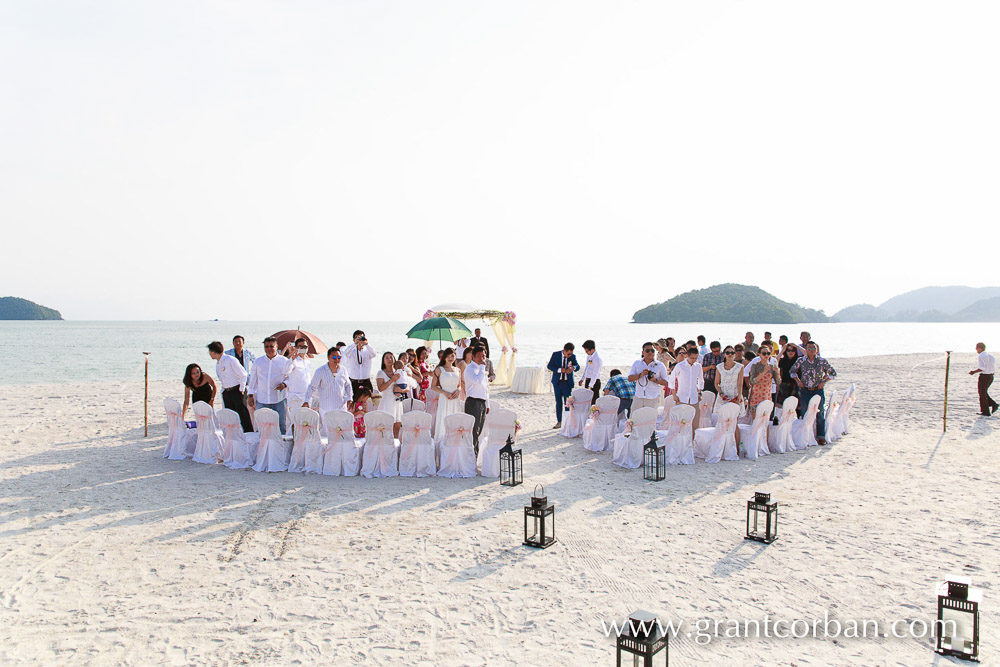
(568, 160)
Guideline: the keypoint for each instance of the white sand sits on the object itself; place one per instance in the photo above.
(111, 554)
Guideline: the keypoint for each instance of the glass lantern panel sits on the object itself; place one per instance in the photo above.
(957, 630)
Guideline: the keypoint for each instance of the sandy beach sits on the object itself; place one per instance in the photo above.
(113, 555)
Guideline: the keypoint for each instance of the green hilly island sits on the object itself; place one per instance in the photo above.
(728, 303)
(13, 308)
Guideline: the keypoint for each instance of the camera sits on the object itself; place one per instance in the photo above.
(649, 375)
(363, 339)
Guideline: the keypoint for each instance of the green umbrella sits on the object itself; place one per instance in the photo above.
(439, 329)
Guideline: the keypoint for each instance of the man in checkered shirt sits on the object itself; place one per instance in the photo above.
(619, 385)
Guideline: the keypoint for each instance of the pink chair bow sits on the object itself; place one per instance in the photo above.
(759, 424)
(229, 428)
(203, 421)
(725, 425)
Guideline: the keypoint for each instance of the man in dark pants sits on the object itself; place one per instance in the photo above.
(562, 364)
(477, 392)
(592, 371)
(986, 365)
(233, 378)
(479, 340)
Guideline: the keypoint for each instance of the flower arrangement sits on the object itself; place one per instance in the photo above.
(628, 426)
(429, 314)
(504, 349)
(594, 409)
(517, 424)
(509, 318)
(514, 350)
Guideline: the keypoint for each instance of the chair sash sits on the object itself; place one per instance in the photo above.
(207, 448)
(704, 415)
(179, 441)
(456, 437)
(780, 440)
(722, 441)
(751, 446)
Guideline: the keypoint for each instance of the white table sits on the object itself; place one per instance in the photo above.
(530, 380)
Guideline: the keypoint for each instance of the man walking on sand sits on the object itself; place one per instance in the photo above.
(986, 365)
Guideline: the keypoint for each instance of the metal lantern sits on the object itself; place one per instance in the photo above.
(539, 521)
(958, 618)
(643, 637)
(654, 461)
(511, 473)
(762, 518)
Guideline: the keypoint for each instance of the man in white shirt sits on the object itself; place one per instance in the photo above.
(650, 376)
(358, 363)
(298, 375)
(592, 369)
(986, 366)
(330, 385)
(233, 379)
(477, 392)
(266, 388)
(690, 380)
(242, 355)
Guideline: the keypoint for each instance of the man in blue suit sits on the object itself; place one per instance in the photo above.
(562, 364)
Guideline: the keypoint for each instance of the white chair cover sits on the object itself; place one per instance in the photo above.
(416, 449)
(576, 420)
(706, 408)
(308, 448)
(209, 447)
(836, 426)
(181, 441)
(753, 437)
(779, 439)
(503, 423)
(628, 447)
(718, 442)
(845, 421)
(676, 437)
(297, 459)
(342, 455)
(272, 451)
(804, 430)
(413, 405)
(832, 415)
(381, 456)
(240, 448)
(458, 456)
(599, 433)
(664, 411)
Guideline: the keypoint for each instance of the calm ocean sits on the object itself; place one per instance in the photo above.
(75, 351)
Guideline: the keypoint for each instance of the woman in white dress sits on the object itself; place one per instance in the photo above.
(729, 383)
(386, 378)
(446, 383)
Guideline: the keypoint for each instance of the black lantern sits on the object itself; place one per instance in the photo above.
(762, 518)
(510, 464)
(643, 637)
(654, 461)
(958, 618)
(539, 521)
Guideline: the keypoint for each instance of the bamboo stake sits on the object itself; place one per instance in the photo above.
(145, 401)
(947, 370)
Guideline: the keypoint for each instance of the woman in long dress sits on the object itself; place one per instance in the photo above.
(445, 382)
(762, 374)
(386, 378)
(729, 384)
(462, 365)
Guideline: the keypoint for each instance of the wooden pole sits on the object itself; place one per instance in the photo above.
(947, 370)
(145, 401)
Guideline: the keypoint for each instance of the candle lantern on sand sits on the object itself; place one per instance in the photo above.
(643, 637)
(762, 518)
(654, 460)
(511, 473)
(957, 626)
(539, 521)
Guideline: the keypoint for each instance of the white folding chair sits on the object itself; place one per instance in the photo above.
(676, 438)
(599, 433)
(458, 456)
(664, 410)
(503, 424)
(832, 410)
(413, 405)
(779, 439)
(804, 430)
(180, 440)
(307, 447)
(342, 455)
(705, 409)
(209, 447)
(753, 436)
(416, 449)
(718, 442)
(272, 451)
(297, 459)
(381, 456)
(239, 446)
(574, 423)
(845, 421)
(836, 427)
(628, 446)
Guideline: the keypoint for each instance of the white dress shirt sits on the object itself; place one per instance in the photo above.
(477, 382)
(358, 363)
(690, 380)
(334, 390)
(298, 376)
(265, 375)
(645, 388)
(230, 372)
(593, 368)
(987, 364)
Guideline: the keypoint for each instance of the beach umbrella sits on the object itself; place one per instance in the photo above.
(439, 329)
(316, 346)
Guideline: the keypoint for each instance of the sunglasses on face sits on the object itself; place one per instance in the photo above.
(335, 358)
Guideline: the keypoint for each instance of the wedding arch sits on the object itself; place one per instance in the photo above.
(503, 323)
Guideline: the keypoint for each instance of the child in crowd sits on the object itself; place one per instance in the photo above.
(359, 408)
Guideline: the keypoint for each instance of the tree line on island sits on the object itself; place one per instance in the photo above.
(14, 308)
(731, 302)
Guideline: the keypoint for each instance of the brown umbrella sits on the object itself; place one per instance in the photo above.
(316, 346)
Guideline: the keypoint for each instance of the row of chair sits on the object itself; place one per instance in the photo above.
(328, 446)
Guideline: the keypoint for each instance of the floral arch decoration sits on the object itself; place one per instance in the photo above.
(503, 323)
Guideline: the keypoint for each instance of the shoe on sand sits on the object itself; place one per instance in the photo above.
(558, 425)
(821, 441)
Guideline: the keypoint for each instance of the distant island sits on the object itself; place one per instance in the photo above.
(728, 302)
(930, 304)
(13, 308)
